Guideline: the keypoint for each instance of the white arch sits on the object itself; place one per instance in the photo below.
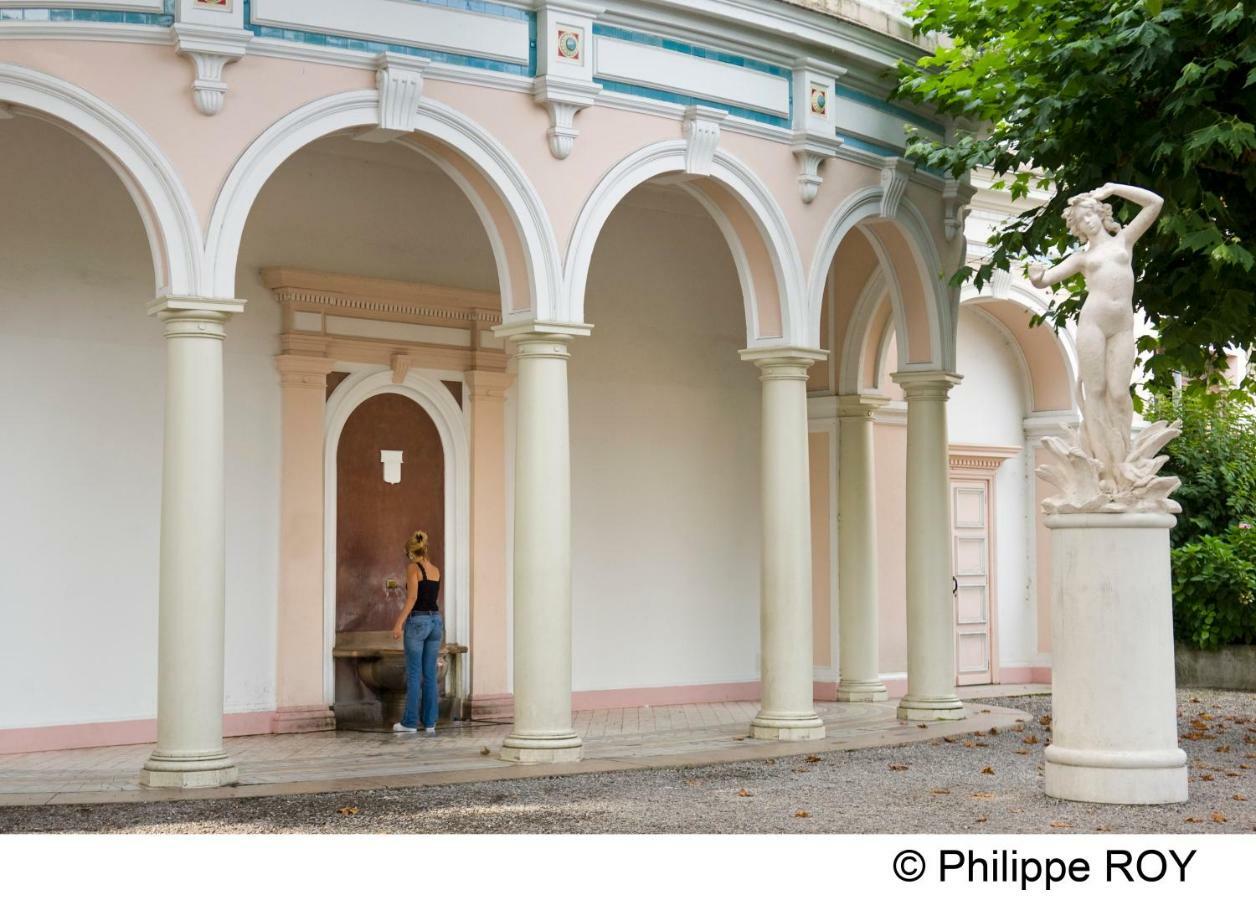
(851, 362)
(434, 398)
(356, 109)
(864, 207)
(668, 157)
(170, 222)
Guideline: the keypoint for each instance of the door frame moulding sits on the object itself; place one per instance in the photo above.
(979, 462)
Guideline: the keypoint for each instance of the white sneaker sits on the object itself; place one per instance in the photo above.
(431, 730)
(401, 729)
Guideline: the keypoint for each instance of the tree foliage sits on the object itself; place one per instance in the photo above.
(1155, 93)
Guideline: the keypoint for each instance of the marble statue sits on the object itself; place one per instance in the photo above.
(1100, 467)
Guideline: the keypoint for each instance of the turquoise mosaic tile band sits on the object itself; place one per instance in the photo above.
(886, 107)
(341, 42)
(732, 59)
(165, 18)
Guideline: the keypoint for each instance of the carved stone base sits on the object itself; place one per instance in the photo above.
(780, 728)
(916, 709)
(213, 770)
(861, 692)
(543, 749)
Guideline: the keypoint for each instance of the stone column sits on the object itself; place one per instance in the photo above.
(786, 711)
(542, 549)
(489, 687)
(301, 696)
(857, 551)
(930, 602)
(193, 551)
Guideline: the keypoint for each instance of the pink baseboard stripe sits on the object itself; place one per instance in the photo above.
(1025, 675)
(112, 734)
(665, 696)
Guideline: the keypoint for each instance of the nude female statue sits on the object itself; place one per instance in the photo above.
(1105, 329)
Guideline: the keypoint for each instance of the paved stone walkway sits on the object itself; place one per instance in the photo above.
(615, 740)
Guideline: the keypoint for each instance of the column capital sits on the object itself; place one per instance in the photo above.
(783, 363)
(859, 406)
(206, 308)
(931, 384)
(304, 371)
(532, 330)
(486, 383)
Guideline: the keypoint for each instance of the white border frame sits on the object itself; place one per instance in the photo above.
(424, 387)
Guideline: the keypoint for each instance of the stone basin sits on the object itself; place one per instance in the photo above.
(380, 664)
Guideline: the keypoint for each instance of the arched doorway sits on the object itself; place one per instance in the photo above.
(368, 519)
(390, 482)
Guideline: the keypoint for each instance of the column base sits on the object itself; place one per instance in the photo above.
(861, 692)
(550, 748)
(201, 771)
(1114, 776)
(804, 727)
(299, 719)
(935, 709)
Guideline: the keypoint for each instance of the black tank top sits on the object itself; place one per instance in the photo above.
(428, 592)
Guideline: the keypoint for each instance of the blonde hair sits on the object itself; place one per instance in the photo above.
(416, 547)
(1088, 202)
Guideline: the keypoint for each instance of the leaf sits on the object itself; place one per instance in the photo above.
(348, 810)
(744, 793)
(1029, 739)
(940, 791)
(898, 767)
(1219, 817)
(983, 795)
(1061, 825)
(1239, 797)
(982, 819)
(802, 814)
(987, 771)
(1192, 820)
(813, 759)
(484, 751)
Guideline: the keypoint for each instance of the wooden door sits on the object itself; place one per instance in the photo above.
(971, 516)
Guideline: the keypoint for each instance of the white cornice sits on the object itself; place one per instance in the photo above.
(84, 31)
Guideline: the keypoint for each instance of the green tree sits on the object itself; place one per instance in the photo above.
(1156, 93)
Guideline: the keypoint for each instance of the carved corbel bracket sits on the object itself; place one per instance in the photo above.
(562, 99)
(210, 48)
(399, 80)
(400, 364)
(956, 196)
(702, 137)
(811, 151)
(895, 173)
(1000, 283)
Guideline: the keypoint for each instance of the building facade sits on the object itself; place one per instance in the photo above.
(636, 308)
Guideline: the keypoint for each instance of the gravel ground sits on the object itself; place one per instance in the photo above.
(990, 783)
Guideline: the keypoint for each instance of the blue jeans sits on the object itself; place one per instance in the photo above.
(422, 642)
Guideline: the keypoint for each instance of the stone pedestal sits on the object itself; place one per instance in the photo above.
(1114, 722)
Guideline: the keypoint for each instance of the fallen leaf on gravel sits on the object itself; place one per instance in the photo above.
(1207, 776)
(1029, 739)
(1192, 820)
(1239, 797)
(980, 744)
(769, 762)
(1021, 752)
(950, 740)
(1018, 727)
(1102, 828)
(940, 791)
(969, 744)
(744, 793)
(1219, 817)
(484, 751)
(1044, 721)
(983, 818)
(801, 770)
(813, 759)
(742, 738)
(987, 771)
(985, 710)
(1206, 717)
(1061, 825)
(348, 810)
(897, 767)
(922, 725)
(691, 781)
(993, 731)
(1224, 748)
(983, 795)
(1231, 774)
(802, 814)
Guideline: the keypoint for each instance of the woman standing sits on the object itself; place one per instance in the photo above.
(421, 621)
